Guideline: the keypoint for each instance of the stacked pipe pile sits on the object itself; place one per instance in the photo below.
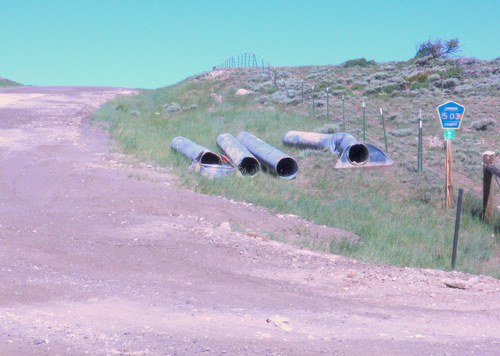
(247, 152)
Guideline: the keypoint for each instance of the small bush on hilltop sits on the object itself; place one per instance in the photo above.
(438, 48)
(360, 62)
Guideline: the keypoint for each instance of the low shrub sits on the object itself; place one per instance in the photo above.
(329, 128)
(403, 132)
(172, 107)
(483, 125)
(424, 61)
(450, 83)
(433, 78)
(358, 86)
(388, 88)
(271, 90)
(463, 89)
(420, 77)
(372, 90)
(360, 62)
(453, 73)
(379, 75)
(283, 99)
(417, 85)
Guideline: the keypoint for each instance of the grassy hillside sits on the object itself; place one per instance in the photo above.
(8, 83)
(397, 212)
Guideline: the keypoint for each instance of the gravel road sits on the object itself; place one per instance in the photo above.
(102, 255)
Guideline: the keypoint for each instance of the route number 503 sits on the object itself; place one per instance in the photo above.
(451, 116)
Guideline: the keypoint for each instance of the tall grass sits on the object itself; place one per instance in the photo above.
(382, 206)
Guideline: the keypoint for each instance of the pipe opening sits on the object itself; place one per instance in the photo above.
(249, 166)
(287, 167)
(358, 154)
(210, 158)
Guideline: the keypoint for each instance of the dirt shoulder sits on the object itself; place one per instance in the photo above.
(102, 255)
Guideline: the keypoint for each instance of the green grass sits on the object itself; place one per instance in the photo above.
(397, 212)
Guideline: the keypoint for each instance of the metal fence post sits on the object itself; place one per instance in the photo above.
(327, 106)
(313, 99)
(383, 128)
(457, 228)
(420, 148)
(364, 122)
(343, 113)
(302, 92)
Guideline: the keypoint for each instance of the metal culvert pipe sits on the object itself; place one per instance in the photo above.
(239, 154)
(358, 154)
(355, 151)
(352, 152)
(270, 157)
(194, 151)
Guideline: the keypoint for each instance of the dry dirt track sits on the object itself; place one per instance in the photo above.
(102, 256)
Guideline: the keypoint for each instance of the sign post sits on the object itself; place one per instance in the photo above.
(449, 174)
(451, 115)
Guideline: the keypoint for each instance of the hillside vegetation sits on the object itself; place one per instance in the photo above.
(397, 212)
(8, 83)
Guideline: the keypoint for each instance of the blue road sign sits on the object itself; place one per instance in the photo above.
(451, 115)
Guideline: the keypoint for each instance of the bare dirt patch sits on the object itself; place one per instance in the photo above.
(99, 254)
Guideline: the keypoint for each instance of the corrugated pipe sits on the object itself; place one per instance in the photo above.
(239, 154)
(194, 151)
(270, 157)
(352, 152)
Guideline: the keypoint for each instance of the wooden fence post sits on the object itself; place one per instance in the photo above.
(449, 172)
(488, 159)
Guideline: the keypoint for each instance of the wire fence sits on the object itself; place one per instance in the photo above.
(473, 185)
(246, 59)
(364, 125)
(310, 94)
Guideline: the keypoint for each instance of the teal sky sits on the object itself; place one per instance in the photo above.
(155, 43)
